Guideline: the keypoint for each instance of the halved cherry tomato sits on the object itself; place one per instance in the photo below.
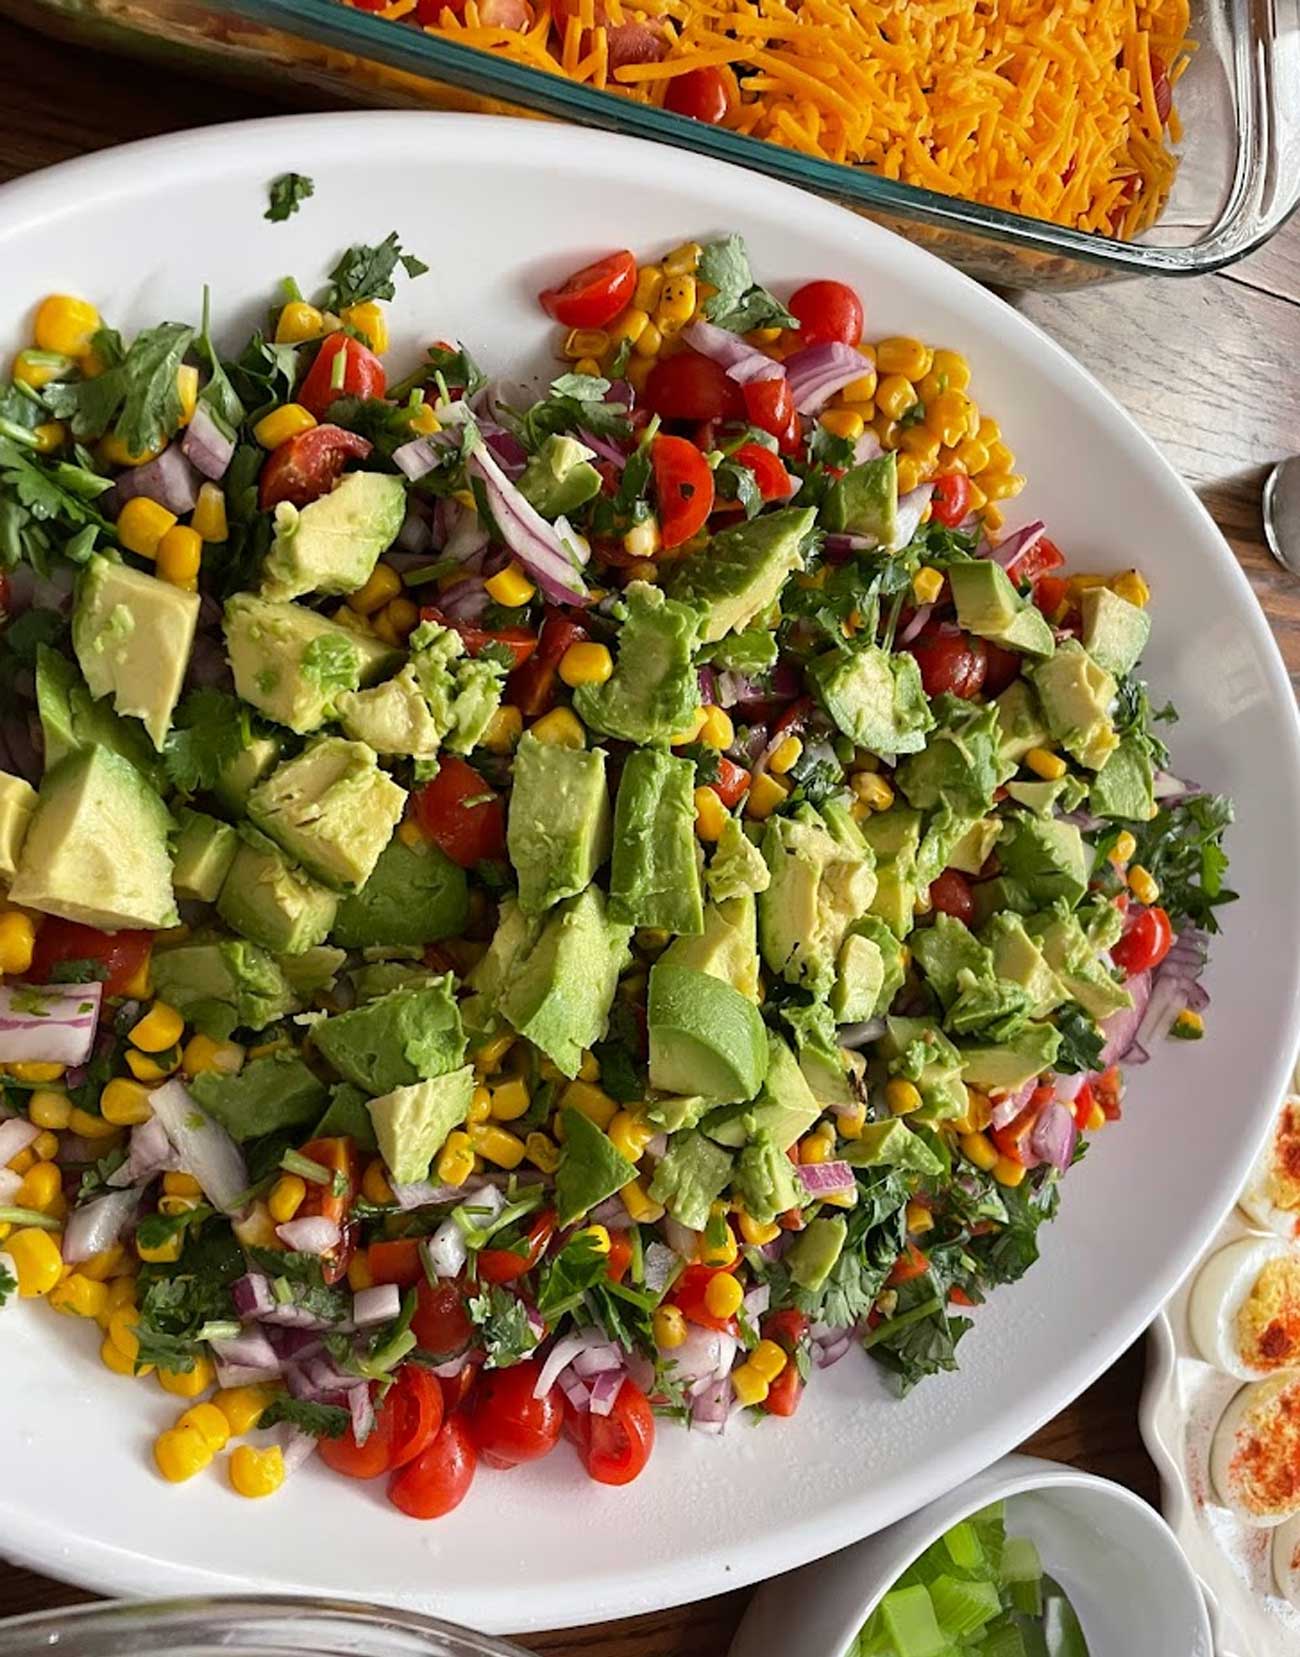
(456, 1388)
(531, 688)
(684, 486)
(731, 782)
(951, 661)
(362, 375)
(614, 1448)
(594, 295)
(442, 1322)
(1084, 1100)
(785, 1393)
(414, 1405)
(786, 1327)
(699, 93)
(521, 642)
(770, 407)
(910, 1263)
(1108, 1089)
(687, 386)
(396, 1261)
(437, 1480)
(308, 465)
(463, 816)
(1043, 556)
(361, 1461)
(1012, 1140)
(950, 501)
(504, 1265)
(339, 1155)
(1000, 668)
(688, 1296)
(950, 894)
(120, 954)
(509, 1425)
(827, 311)
(958, 1296)
(619, 1257)
(1050, 593)
(774, 482)
(1145, 944)
(1161, 86)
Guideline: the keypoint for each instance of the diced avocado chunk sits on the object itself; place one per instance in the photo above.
(377, 978)
(1038, 797)
(514, 939)
(333, 544)
(271, 901)
(654, 690)
(559, 478)
(993, 896)
(17, 804)
(267, 1094)
(221, 985)
(1007, 1065)
(415, 895)
(1115, 632)
(989, 606)
(591, 1168)
(832, 1072)
(784, 1110)
(205, 849)
(946, 949)
(1046, 856)
(1125, 785)
(96, 847)
(819, 887)
(765, 1180)
(859, 977)
(292, 664)
(411, 1123)
(1021, 725)
(737, 867)
(970, 852)
(347, 1115)
(740, 572)
(811, 1257)
(889, 952)
(655, 872)
(332, 809)
(71, 719)
(727, 947)
(891, 1145)
(241, 775)
(1077, 696)
(132, 635)
(865, 501)
(392, 718)
(705, 1037)
(404, 1037)
(988, 1009)
(958, 763)
(690, 1176)
(462, 692)
(312, 970)
(1017, 958)
(560, 989)
(559, 825)
(894, 836)
(917, 1050)
(1072, 956)
(875, 697)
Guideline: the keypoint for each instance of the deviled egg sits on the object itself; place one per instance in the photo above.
(1272, 1193)
(1286, 1560)
(1244, 1308)
(1255, 1457)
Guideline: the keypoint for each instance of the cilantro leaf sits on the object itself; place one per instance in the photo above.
(502, 1321)
(94, 1180)
(8, 1283)
(139, 396)
(620, 1056)
(367, 273)
(1081, 1041)
(321, 1420)
(740, 304)
(45, 507)
(156, 1229)
(452, 364)
(624, 1314)
(299, 1279)
(210, 730)
(1005, 1253)
(576, 403)
(262, 375)
(218, 396)
(286, 195)
(178, 1298)
(737, 482)
(1182, 847)
(566, 1277)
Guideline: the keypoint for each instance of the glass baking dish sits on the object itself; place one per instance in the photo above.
(1238, 180)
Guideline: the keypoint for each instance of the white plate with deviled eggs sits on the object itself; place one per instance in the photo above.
(1221, 1408)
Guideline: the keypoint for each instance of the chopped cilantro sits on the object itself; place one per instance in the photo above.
(1081, 1041)
(502, 1321)
(367, 273)
(211, 728)
(575, 402)
(138, 396)
(286, 195)
(8, 1283)
(566, 1277)
(739, 303)
(1182, 848)
(320, 1420)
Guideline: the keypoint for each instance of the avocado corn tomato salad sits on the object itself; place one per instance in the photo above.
(526, 914)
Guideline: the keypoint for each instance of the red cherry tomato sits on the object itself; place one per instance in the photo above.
(786, 1327)
(1084, 1100)
(594, 295)
(1012, 1140)
(456, 1388)
(910, 1263)
(1108, 1090)
(414, 1406)
(615, 1448)
(951, 895)
(360, 1461)
(687, 386)
(509, 1425)
(1162, 88)
(827, 311)
(701, 94)
(397, 1261)
(684, 485)
(339, 1155)
(442, 1323)
(950, 660)
(463, 816)
(1050, 593)
(437, 1480)
(362, 375)
(121, 954)
(732, 781)
(1043, 556)
(1000, 668)
(635, 43)
(951, 499)
(785, 1393)
(688, 1296)
(308, 465)
(1146, 942)
(770, 407)
(531, 688)
(620, 1256)
(774, 482)
(521, 642)
(504, 1265)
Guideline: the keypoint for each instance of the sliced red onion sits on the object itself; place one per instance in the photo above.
(150, 1153)
(252, 1295)
(465, 600)
(416, 535)
(757, 1301)
(170, 480)
(1068, 1088)
(908, 520)
(376, 1305)
(250, 1349)
(425, 1195)
(421, 455)
(611, 1212)
(1012, 548)
(313, 1235)
(287, 1314)
(465, 536)
(528, 535)
(207, 448)
(16, 1134)
(831, 1351)
(660, 1267)
(916, 624)
(51, 1023)
(730, 688)
(605, 1390)
(861, 1035)
(1010, 1105)
(1054, 1135)
(680, 1238)
(867, 447)
(295, 1345)
(777, 1247)
(244, 1375)
(823, 1178)
(708, 686)
(594, 1360)
(445, 1252)
(711, 1408)
(1169, 992)
(1121, 1028)
(506, 447)
(705, 1353)
(819, 371)
(96, 1225)
(451, 1368)
(10, 1185)
(205, 1148)
(362, 1410)
(577, 1392)
(743, 362)
(535, 1322)
(656, 1146)
(296, 1447)
(557, 1360)
(603, 447)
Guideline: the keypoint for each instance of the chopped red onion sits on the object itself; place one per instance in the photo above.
(908, 520)
(594, 1360)
(445, 1252)
(421, 455)
(821, 1178)
(867, 447)
(249, 1349)
(252, 1295)
(295, 1345)
(1012, 548)
(660, 1267)
(150, 1153)
(916, 624)
(205, 1148)
(730, 688)
(376, 1305)
(465, 600)
(757, 1301)
(415, 536)
(577, 1392)
(603, 447)
(1009, 1106)
(296, 1447)
(818, 371)
(10, 1185)
(557, 1360)
(831, 1351)
(705, 1353)
(288, 1314)
(656, 1146)
(244, 1375)
(207, 448)
(16, 1134)
(743, 362)
(861, 1035)
(711, 1408)
(425, 1195)
(451, 1368)
(51, 1023)
(506, 447)
(96, 1225)
(362, 1409)
(680, 1238)
(611, 1212)
(313, 1235)
(533, 541)
(1068, 1088)
(605, 1390)
(706, 679)
(1054, 1135)
(465, 538)
(170, 480)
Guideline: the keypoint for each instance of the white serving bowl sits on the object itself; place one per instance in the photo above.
(1126, 1576)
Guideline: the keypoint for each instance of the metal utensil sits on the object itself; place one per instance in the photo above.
(1281, 508)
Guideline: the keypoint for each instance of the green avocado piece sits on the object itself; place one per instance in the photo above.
(1125, 785)
(411, 1123)
(727, 947)
(737, 867)
(332, 809)
(559, 825)
(415, 895)
(875, 697)
(894, 836)
(205, 849)
(1038, 797)
(946, 835)
(377, 978)
(392, 718)
(958, 763)
(891, 1144)
(916, 1049)
(1046, 856)
(865, 501)
(17, 804)
(705, 1037)
(590, 1169)
(269, 900)
(515, 937)
(739, 573)
(989, 606)
(1017, 958)
(672, 1115)
(1021, 725)
(1115, 632)
(462, 692)
(1072, 956)
(690, 1176)
(859, 978)
(559, 478)
(1007, 1065)
(819, 886)
(71, 719)
(784, 1110)
(893, 970)
(654, 877)
(811, 1258)
(833, 1073)
(1077, 696)
(946, 949)
(312, 971)
(291, 664)
(988, 1009)
(221, 985)
(333, 544)
(242, 774)
(654, 690)
(406, 1036)
(765, 1180)
(266, 1095)
(971, 852)
(96, 847)
(347, 1116)
(132, 635)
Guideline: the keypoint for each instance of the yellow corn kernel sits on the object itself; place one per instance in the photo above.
(902, 1096)
(37, 1261)
(89, 1126)
(45, 1147)
(979, 1112)
(369, 321)
(255, 1473)
(587, 365)
(946, 417)
(503, 730)
(815, 1147)
(649, 283)
(768, 1359)
(921, 444)
(747, 1383)
(111, 448)
(1131, 586)
(586, 664)
(49, 436)
(757, 1232)
(161, 1027)
(971, 456)
(17, 943)
(561, 728)
(629, 1135)
(161, 1253)
(630, 326)
(455, 1160)
(843, 422)
(202, 1054)
(598, 1235)
(49, 1110)
(187, 389)
(38, 368)
(649, 342)
(121, 1331)
(1045, 764)
(141, 525)
(594, 1104)
(911, 472)
(496, 1145)
(692, 731)
(242, 1407)
(510, 1101)
(177, 1184)
(210, 1424)
(919, 1217)
(382, 585)
(65, 324)
(585, 342)
(113, 1358)
(589, 1066)
(1189, 1025)
(851, 1122)
(124, 1103)
(283, 423)
(785, 755)
(723, 1295)
(403, 616)
(717, 729)
(1123, 849)
(766, 792)
(1142, 885)
(542, 1152)
(176, 1205)
(669, 1328)
(298, 322)
(286, 1197)
(710, 814)
(992, 517)
(643, 539)
(977, 500)
(79, 1296)
(121, 1289)
(980, 1150)
(21, 1163)
(41, 1188)
(860, 395)
(894, 396)
(640, 1206)
(424, 422)
(145, 1067)
(682, 261)
(677, 301)
(927, 584)
(257, 1228)
(408, 832)
(490, 1055)
(904, 356)
(1001, 486)
(1001, 458)
(1006, 1171)
(188, 1383)
(375, 1187)
(180, 1453)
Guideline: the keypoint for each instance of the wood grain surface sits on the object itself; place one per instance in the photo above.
(1208, 368)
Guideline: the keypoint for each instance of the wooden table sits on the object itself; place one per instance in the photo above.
(1207, 367)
